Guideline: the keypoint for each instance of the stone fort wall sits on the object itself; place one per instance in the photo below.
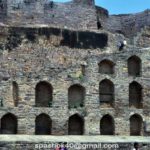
(71, 78)
(34, 61)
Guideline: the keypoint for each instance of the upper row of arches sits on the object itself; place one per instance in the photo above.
(76, 93)
(134, 66)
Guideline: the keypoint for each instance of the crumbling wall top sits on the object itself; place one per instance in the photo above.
(75, 14)
(87, 2)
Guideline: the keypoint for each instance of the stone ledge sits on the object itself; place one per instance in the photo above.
(84, 139)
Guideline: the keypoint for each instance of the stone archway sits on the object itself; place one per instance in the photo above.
(44, 94)
(136, 125)
(106, 92)
(134, 66)
(107, 125)
(75, 125)
(43, 125)
(106, 67)
(76, 96)
(9, 124)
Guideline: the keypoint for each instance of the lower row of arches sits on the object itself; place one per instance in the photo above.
(43, 125)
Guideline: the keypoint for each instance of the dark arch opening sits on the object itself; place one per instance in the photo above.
(136, 125)
(106, 92)
(76, 96)
(15, 93)
(9, 124)
(107, 125)
(44, 92)
(106, 67)
(134, 66)
(43, 125)
(135, 95)
(75, 125)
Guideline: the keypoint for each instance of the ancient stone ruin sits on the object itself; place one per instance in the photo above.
(62, 72)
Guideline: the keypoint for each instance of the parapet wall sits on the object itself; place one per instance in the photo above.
(76, 14)
(73, 14)
(128, 24)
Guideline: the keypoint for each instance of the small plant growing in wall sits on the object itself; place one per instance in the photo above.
(81, 105)
(84, 113)
(71, 106)
(81, 76)
(50, 104)
(75, 106)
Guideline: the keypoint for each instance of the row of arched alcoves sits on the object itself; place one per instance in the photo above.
(134, 66)
(43, 125)
(76, 94)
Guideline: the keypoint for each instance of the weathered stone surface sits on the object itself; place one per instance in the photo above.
(147, 126)
(62, 47)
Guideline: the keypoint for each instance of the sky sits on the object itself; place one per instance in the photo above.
(121, 6)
